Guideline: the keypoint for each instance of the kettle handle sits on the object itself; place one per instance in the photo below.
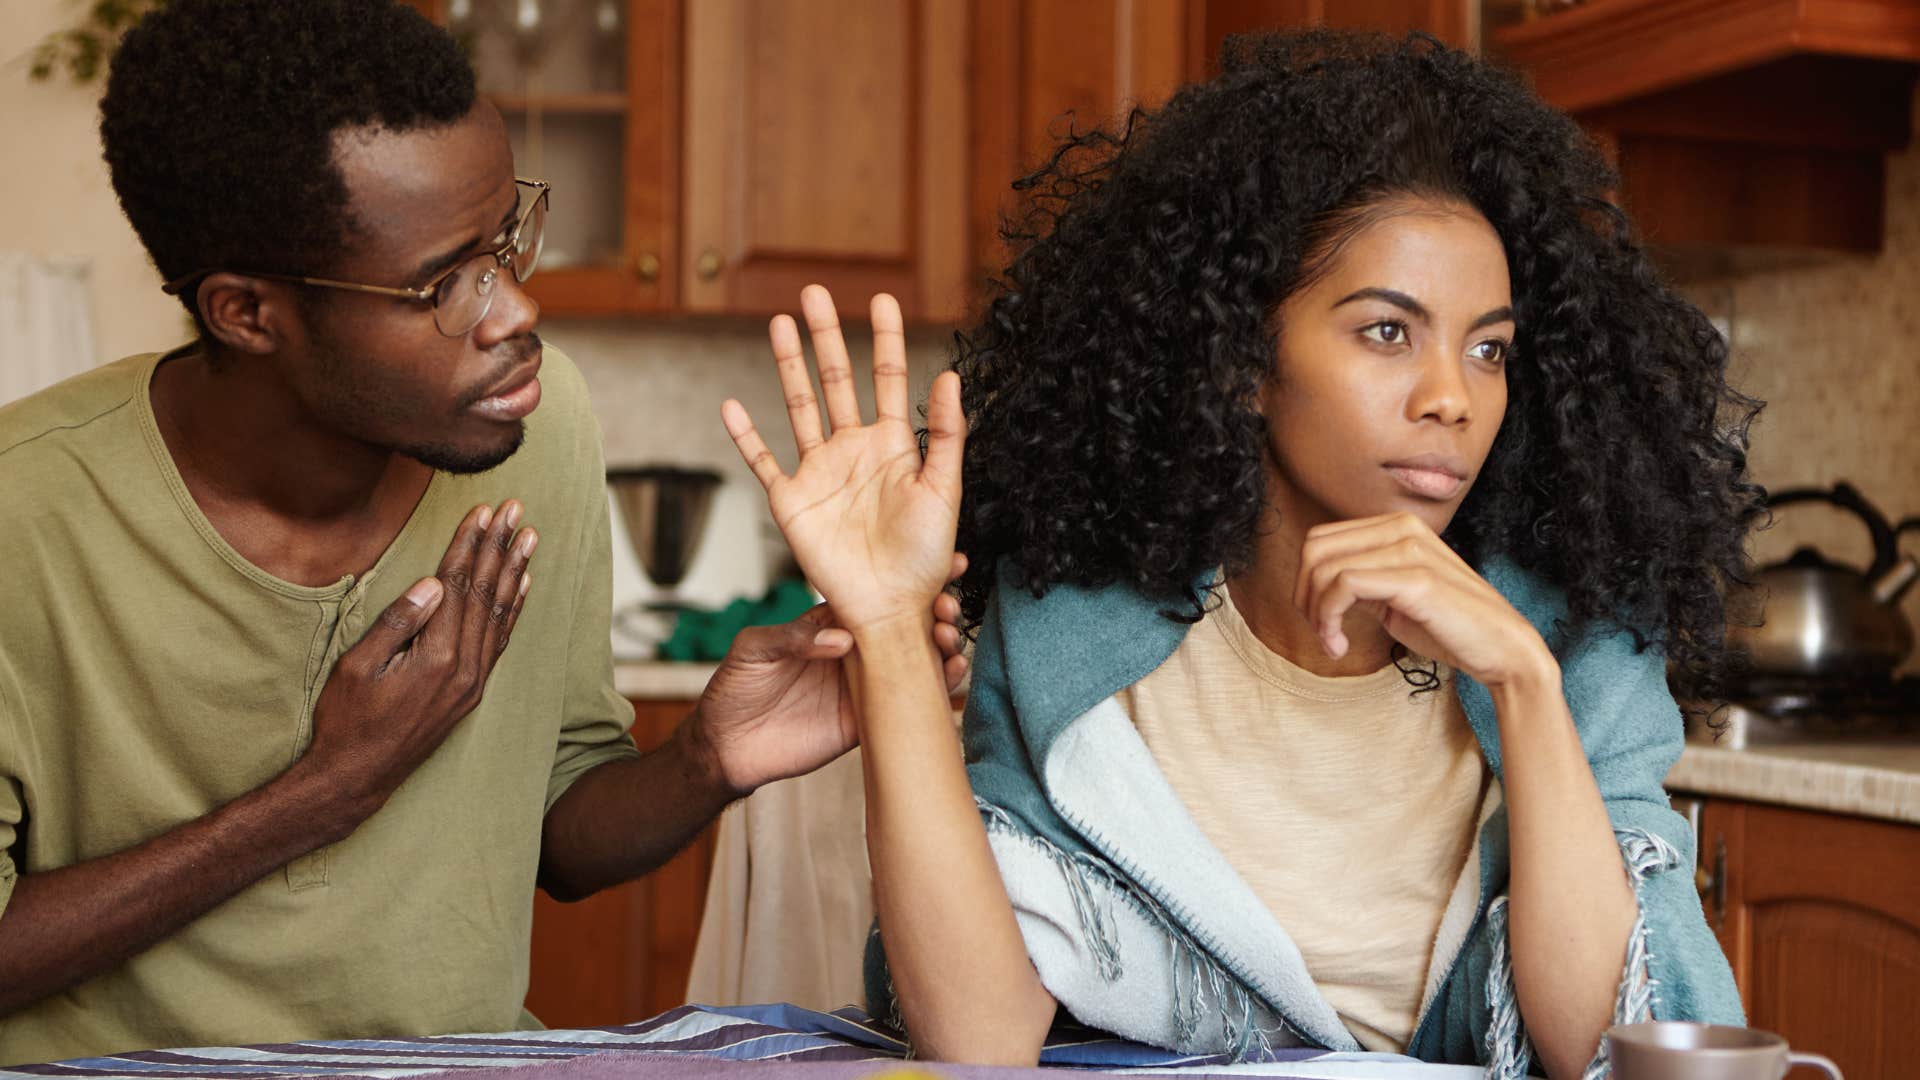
(1847, 497)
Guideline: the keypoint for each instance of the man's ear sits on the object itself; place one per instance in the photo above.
(245, 314)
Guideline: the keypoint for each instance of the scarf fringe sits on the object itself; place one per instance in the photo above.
(1508, 1049)
(1202, 988)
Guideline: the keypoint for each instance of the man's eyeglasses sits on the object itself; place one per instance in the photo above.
(460, 295)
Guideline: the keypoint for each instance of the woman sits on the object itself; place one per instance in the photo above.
(1342, 484)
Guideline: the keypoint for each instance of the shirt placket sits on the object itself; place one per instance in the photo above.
(348, 620)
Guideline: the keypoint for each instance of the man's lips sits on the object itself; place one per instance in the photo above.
(515, 397)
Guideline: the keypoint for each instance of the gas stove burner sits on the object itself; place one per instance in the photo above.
(1836, 704)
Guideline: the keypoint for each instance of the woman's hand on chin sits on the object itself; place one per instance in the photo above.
(1423, 593)
(871, 523)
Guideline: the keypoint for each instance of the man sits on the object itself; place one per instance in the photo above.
(269, 766)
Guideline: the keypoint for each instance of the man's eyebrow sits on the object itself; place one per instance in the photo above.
(441, 262)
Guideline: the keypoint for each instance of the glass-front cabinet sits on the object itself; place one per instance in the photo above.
(713, 156)
(590, 91)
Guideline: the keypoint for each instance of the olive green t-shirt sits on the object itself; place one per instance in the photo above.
(149, 674)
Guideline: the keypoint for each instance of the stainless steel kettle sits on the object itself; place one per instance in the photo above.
(1824, 620)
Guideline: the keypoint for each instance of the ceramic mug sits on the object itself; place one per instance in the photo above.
(1676, 1051)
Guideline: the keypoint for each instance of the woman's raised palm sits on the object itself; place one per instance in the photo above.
(871, 523)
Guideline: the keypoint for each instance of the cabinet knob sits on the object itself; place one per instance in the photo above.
(647, 267)
(709, 264)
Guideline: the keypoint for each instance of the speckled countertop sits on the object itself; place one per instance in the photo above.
(661, 680)
(1874, 776)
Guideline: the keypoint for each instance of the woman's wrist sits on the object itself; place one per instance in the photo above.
(913, 626)
(1533, 674)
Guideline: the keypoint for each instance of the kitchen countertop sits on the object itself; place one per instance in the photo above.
(1875, 776)
(661, 680)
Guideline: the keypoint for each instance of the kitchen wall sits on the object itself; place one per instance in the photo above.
(1833, 346)
(657, 387)
(55, 191)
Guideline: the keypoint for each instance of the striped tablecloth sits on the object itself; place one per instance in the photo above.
(764, 1042)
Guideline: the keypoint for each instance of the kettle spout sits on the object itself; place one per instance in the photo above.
(1890, 586)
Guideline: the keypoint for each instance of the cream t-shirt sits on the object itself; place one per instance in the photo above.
(1347, 804)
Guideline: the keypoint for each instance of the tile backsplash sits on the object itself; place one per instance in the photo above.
(1832, 344)
(1833, 347)
(657, 387)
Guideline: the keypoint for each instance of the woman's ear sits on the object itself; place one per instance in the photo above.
(245, 314)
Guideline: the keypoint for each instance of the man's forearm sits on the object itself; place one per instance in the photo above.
(62, 927)
(624, 818)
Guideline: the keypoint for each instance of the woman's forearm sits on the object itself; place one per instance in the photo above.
(967, 990)
(1571, 906)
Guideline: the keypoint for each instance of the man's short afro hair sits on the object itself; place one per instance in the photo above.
(219, 118)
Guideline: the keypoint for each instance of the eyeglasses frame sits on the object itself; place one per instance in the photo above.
(424, 293)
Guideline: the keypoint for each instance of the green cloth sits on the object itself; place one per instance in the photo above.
(149, 674)
(706, 635)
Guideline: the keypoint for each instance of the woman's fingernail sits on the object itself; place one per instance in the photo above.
(526, 582)
(423, 592)
(513, 515)
(486, 516)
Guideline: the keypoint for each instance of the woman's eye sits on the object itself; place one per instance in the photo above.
(1493, 351)
(1386, 333)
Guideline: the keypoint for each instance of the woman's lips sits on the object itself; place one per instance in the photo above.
(1427, 482)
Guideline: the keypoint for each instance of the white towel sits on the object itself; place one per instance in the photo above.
(46, 322)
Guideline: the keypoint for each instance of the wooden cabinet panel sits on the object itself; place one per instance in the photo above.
(1820, 916)
(623, 954)
(640, 125)
(1448, 20)
(1736, 123)
(1036, 63)
(1452, 21)
(824, 142)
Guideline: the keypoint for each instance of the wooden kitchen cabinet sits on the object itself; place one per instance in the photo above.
(596, 113)
(1819, 915)
(623, 954)
(1041, 68)
(1736, 123)
(825, 142)
(752, 147)
(744, 148)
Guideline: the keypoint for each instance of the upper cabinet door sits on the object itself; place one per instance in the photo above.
(825, 142)
(590, 92)
(1042, 69)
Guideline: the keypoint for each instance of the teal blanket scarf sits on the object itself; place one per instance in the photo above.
(1137, 925)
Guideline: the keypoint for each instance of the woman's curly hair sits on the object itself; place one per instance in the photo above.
(1110, 385)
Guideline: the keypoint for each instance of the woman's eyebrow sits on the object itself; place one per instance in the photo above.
(1492, 318)
(1391, 296)
(1418, 310)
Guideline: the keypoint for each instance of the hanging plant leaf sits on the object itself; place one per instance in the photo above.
(85, 50)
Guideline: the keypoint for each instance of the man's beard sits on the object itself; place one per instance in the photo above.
(452, 459)
(389, 411)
